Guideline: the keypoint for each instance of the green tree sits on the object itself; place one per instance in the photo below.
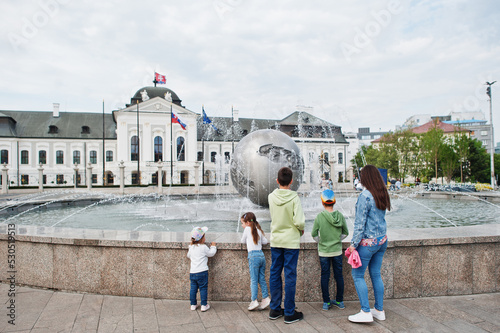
(432, 142)
(449, 161)
(479, 162)
(462, 142)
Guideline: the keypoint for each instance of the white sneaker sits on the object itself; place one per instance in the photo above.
(265, 303)
(253, 305)
(205, 307)
(193, 307)
(361, 317)
(380, 315)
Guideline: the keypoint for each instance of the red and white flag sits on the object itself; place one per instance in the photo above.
(160, 78)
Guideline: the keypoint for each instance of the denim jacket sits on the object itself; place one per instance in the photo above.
(369, 221)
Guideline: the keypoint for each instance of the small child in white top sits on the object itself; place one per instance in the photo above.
(198, 274)
(254, 237)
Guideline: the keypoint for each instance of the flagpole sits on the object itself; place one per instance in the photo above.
(203, 150)
(103, 148)
(171, 147)
(138, 148)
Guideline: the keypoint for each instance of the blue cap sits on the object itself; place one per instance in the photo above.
(327, 196)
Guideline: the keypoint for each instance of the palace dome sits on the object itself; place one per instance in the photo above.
(155, 92)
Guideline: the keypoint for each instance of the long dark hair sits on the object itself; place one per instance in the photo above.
(373, 181)
(252, 221)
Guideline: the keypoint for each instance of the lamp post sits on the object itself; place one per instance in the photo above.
(492, 146)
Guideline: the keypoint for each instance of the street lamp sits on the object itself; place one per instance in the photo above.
(492, 148)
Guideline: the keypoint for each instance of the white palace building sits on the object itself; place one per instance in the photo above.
(61, 148)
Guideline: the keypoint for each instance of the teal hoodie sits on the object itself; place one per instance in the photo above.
(331, 229)
(287, 219)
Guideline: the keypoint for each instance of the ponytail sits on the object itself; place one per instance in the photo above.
(254, 225)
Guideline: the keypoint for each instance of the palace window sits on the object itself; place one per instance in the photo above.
(76, 157)
(93, 156)
(59, 157)
(134, 148)
(24, 157)
(180, 149)
(4, 156)
(109, 156)
(42, 157)
(158, 143)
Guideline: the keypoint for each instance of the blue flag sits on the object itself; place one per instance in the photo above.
(207, 120)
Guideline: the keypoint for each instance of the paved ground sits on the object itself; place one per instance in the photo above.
(48, 311)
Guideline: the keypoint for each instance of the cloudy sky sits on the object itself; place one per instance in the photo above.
(357, 63)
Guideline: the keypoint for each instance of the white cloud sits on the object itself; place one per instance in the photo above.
(261, 57)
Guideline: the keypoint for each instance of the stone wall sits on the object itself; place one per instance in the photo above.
(418, 263)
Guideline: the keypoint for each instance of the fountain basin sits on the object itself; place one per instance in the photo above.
(419, 262)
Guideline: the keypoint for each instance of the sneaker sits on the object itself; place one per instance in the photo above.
(380, 315)
(275, 314)
(253, 305)
(294, 318)
(265, 303)
(205, 307)
(361, 317)
(193, 307)
(340, 305)
(327, 306)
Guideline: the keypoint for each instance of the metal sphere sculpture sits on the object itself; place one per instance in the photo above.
(257, 159)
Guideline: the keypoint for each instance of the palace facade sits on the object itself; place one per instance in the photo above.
(64, 148)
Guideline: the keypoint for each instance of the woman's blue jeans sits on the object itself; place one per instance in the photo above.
(336, 263)
(257, 266)
(371, 257)
(198, 281)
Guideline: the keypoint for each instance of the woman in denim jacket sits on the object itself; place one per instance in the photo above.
(370, 240)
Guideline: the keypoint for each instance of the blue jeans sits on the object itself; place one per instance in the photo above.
(198, 281)
(371, 257)
(257, 266)
(336, 263)
(283, 259)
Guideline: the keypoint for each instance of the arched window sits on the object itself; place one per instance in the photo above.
(24, 157)
(180, 149)
(42, 157)
(158, 142)
(4, 156)
(76, 157)
(134, 148)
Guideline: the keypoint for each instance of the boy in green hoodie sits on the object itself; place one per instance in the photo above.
(328, 230)
(287, 225)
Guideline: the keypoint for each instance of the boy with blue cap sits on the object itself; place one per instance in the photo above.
(329, 230)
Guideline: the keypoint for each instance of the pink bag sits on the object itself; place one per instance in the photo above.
(354, 259)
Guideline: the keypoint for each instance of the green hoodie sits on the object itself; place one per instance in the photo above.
(287, 219)
(332, 228)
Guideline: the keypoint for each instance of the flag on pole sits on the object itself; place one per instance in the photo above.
(207, 120)
(160, 78)
(176, 119)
